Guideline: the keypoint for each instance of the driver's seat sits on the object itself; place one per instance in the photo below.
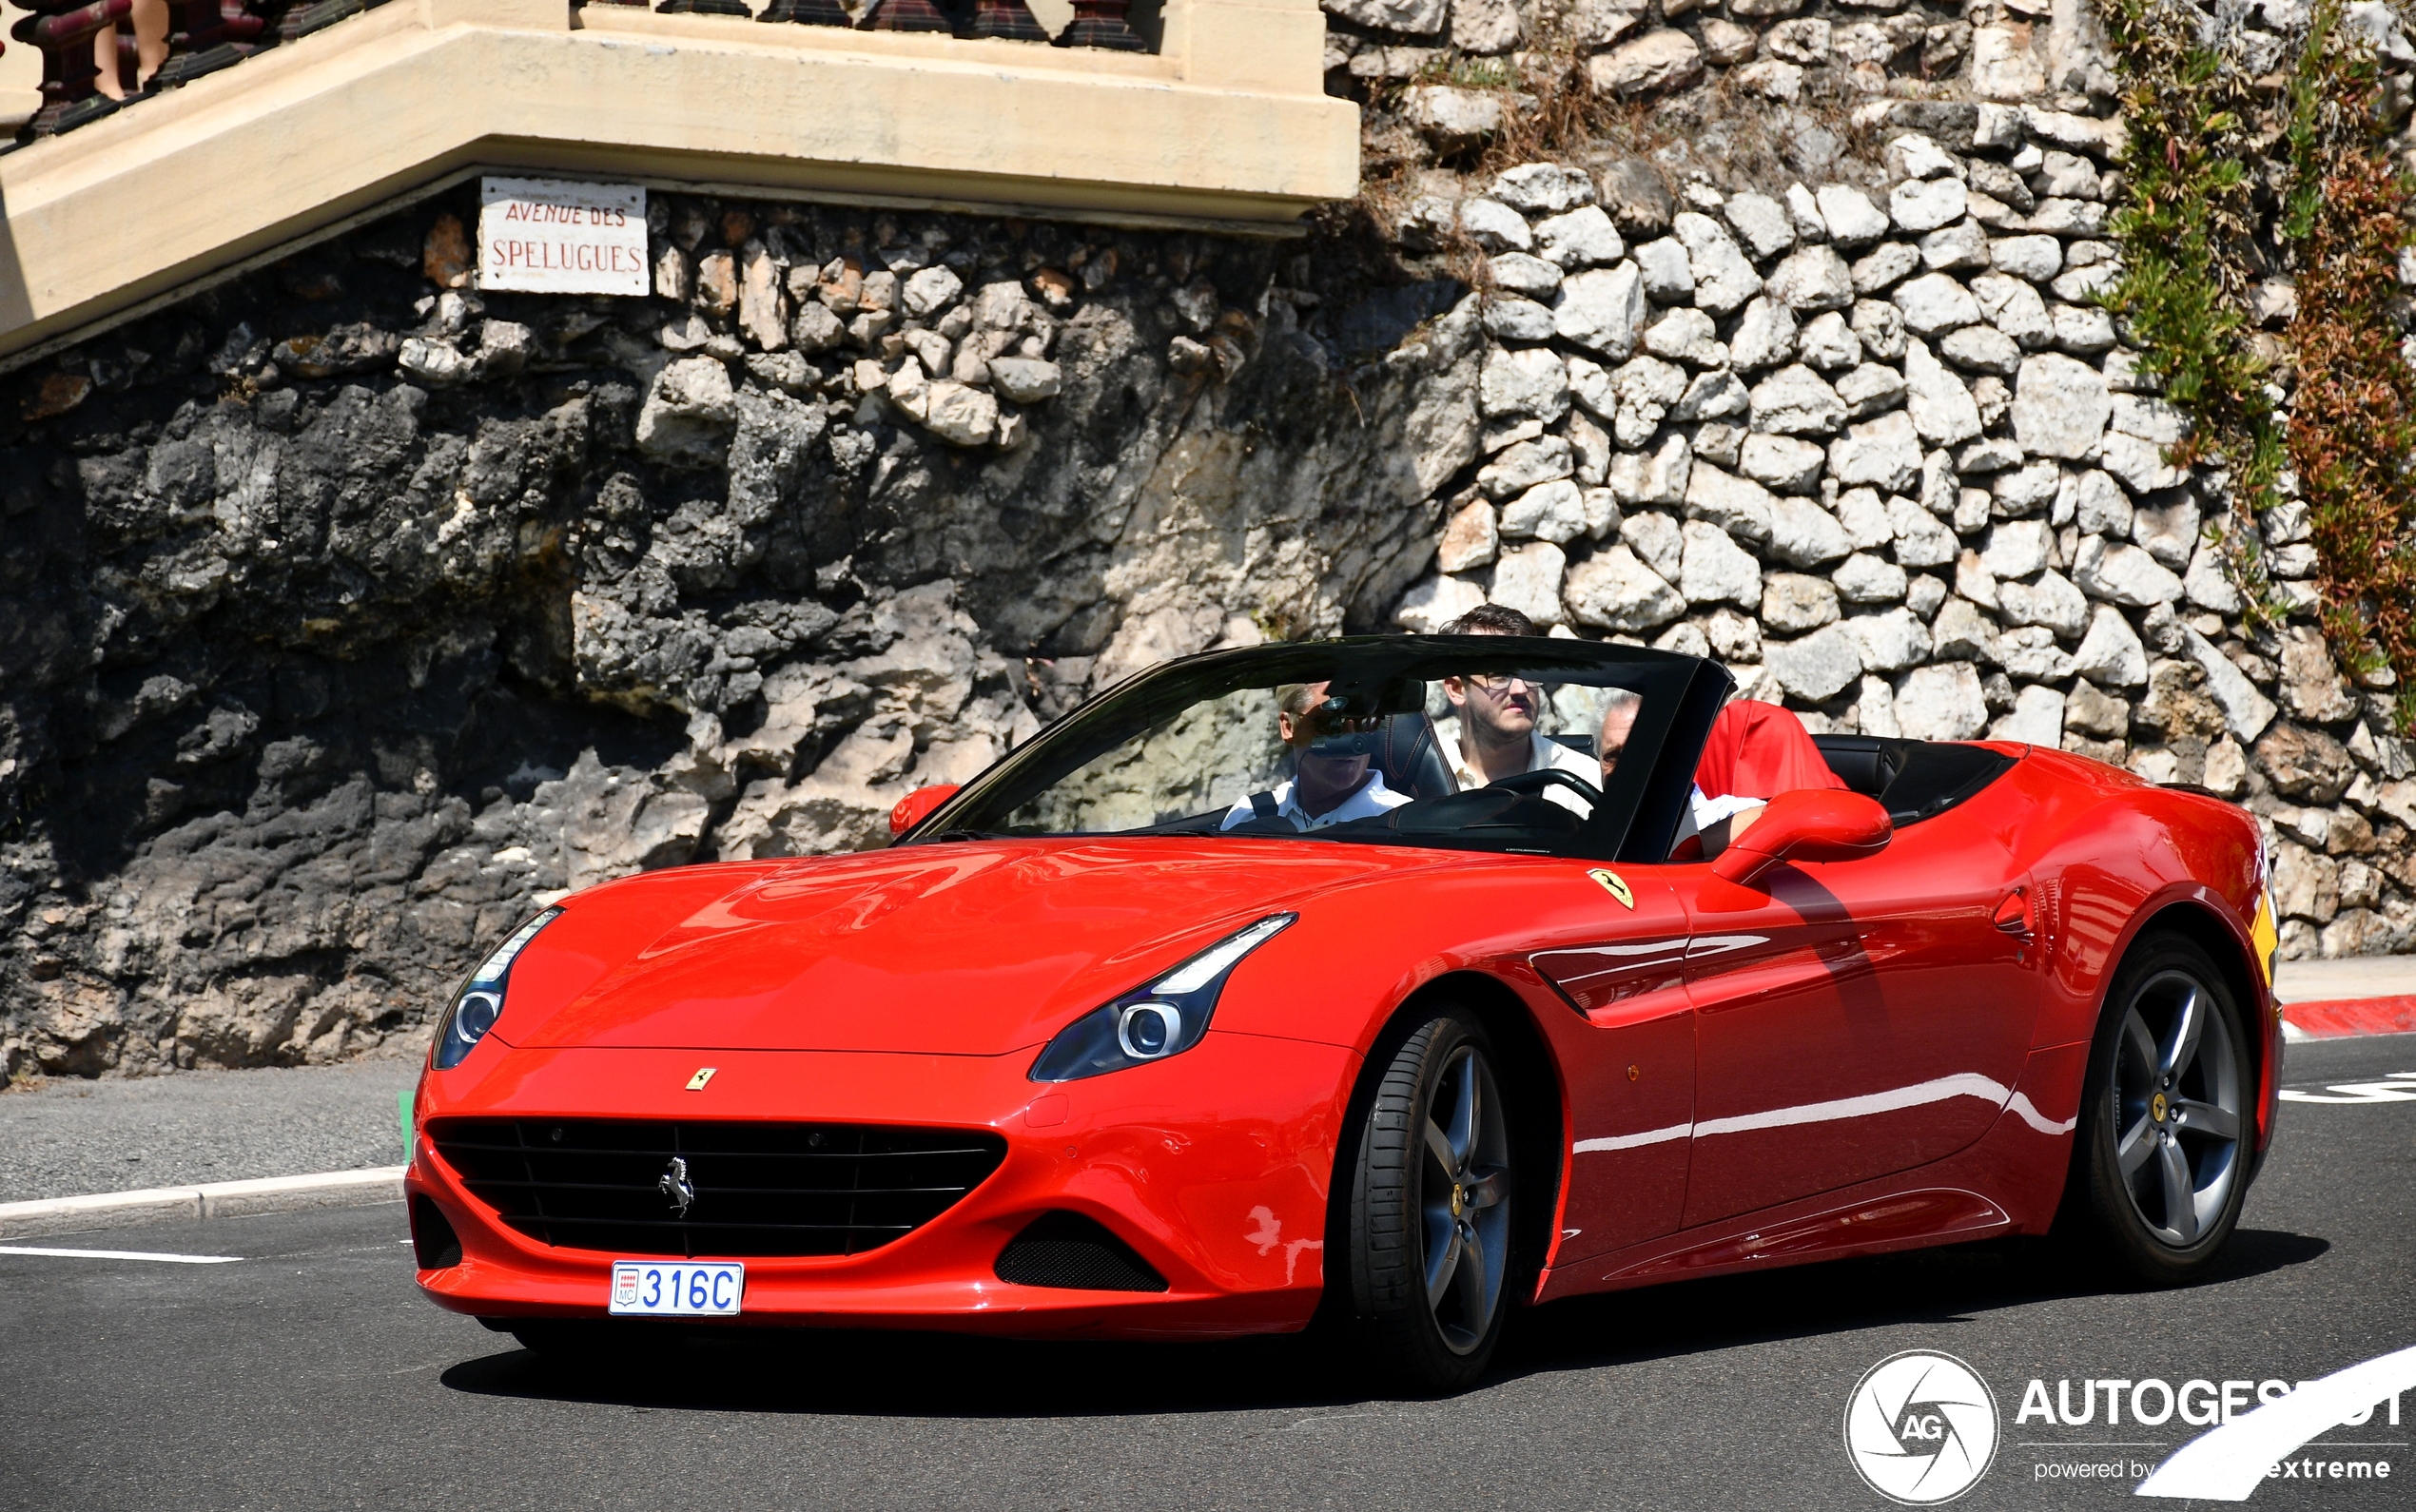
(1410, 754)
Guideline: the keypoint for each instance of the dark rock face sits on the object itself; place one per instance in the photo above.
(344, 618)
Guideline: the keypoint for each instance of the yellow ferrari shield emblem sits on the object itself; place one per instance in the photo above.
(696, 1083)
(1613, 884)
(2264, 936)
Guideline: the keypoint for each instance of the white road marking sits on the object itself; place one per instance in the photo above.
(2400, 1088)
(2230, 1461)
(123, 1255)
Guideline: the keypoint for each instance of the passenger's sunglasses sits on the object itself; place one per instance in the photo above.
(1337, 717)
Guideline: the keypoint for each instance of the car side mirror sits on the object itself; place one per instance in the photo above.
(1813, 823)
(916, 807)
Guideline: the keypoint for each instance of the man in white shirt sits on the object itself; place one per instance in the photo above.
(1498, 734)
(1715, 821)
(1328, 787)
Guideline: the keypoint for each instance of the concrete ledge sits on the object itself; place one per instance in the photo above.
(217, 1199)
(2350, 977)
(110, 1209)
(1228, 129)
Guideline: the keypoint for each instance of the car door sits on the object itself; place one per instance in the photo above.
(1631, 1068)
(1851, 1019)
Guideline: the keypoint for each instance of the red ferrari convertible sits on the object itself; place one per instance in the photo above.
(1239, 997)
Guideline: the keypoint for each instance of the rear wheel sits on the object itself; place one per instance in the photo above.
(1431, 1210)
(2162, 1169)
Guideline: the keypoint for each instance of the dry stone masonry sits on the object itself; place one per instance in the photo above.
(346, 613)
(1843, 412)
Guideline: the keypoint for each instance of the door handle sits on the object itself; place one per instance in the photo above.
(2014, 916)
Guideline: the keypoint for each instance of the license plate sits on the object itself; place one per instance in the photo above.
(685, 1289)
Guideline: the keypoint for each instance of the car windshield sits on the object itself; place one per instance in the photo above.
(1498, 742)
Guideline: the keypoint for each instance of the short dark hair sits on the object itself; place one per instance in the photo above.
(1492, 619)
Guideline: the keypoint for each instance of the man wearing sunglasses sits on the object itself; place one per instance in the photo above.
(1334, 779)
(1499, 736)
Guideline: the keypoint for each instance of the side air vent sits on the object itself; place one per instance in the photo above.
(1071, 1252)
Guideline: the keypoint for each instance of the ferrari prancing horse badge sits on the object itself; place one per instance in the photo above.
(1613, 885)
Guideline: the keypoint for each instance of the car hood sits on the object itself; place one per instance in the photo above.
(966, 948)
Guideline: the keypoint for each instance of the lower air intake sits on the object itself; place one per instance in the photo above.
(433, 1242)
(1073, 1253)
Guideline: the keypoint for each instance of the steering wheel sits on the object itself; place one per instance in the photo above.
(1533, 784)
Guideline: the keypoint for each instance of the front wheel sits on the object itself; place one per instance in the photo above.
(1430, 1208)
(2162, 1168)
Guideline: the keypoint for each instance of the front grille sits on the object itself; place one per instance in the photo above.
(759, 1189)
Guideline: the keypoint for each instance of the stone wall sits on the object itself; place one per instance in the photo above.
(345, 613)
(1797, 365)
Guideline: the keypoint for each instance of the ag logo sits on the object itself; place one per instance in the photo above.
(1921, 1428)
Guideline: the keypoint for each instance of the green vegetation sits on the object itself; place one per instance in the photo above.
(1469, 73)
(2187, 221)
(2353, 434)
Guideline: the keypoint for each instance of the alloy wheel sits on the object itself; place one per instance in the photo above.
(2177, 1107)
(1465, 1192)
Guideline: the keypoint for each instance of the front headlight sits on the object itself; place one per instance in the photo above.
(479, 1001)
(1161, 1020)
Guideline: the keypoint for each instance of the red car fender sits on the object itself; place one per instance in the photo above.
(2183, 851)
(2264, 1008)
(1360, 955)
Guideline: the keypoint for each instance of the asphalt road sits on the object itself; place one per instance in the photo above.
(65, 1139)
(311, 1376)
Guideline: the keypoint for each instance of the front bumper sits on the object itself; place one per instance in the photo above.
(1214, 1165)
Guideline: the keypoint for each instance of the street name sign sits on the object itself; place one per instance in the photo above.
(556, 235)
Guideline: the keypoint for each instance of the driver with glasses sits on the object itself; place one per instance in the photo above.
(1499, 736)
(1334, 778)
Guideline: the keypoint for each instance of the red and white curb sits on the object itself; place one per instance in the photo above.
(216, 1199)
(2348, 1018)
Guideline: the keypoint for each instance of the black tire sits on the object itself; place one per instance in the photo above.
(2177, 1106)
(1428, 1201)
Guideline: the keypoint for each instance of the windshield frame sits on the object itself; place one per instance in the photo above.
(1638, 820)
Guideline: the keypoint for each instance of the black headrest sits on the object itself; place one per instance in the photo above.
(1865, 764)
(1410, 755)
